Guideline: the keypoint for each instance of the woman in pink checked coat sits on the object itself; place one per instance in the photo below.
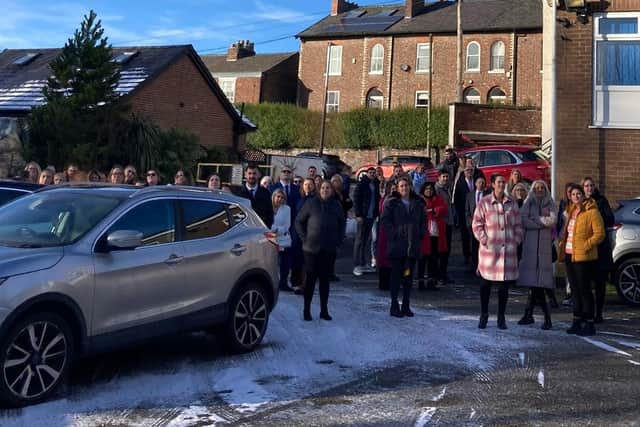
(498, 227)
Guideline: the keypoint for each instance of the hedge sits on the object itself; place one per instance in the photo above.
(285, 126)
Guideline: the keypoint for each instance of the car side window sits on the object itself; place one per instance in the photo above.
(498, 157)
(237, 214)
(7, 195)
(154, 219)
(476, 157)
(203, 219)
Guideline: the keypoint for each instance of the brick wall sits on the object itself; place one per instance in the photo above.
(608, 155)
(399, 87)
(180, 97)
(248, 90)
(499, 119)
(280, 83)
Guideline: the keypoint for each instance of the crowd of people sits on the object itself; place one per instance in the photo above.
(511, 232)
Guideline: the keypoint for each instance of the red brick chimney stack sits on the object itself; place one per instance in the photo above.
(413, 7)
(341, 6)
(240, 49)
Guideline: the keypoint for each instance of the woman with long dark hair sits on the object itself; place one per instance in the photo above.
(583, 232)
(434, 243)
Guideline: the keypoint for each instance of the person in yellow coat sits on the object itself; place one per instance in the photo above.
(582, 232)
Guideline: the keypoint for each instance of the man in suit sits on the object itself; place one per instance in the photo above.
(260, 197)
(473, 197)
(290, 190)
(464, 185)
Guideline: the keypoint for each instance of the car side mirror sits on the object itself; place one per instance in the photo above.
(124, 239)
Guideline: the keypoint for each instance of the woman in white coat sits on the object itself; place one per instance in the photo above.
(536, 266)
(282, 227)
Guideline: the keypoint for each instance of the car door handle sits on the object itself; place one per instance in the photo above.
(238, 249)
(173, 259)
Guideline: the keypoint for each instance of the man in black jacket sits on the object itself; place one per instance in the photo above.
(464, 184)
(259, 196)
(366, 200)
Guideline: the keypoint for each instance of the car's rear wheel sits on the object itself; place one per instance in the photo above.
(248, 319)
(628, 281)
(35, 357)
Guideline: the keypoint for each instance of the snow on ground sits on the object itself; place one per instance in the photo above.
(296, 360)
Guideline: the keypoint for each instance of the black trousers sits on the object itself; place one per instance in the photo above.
(600, 286)
(384, 278)
(362, 245)
(444, 260)
(475, 251)
(580, 275)
(318, 267)
(503, 295)
(399, 267)
(431, 262)
(465, 235)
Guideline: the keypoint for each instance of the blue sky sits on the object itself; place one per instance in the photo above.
(210, 25)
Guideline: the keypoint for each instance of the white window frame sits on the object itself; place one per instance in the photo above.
(493, 67)
(497, 99)
(475, 99)
(422, 92)
(333, 107)
(614, 106)
(426, 58)
(473, 70)
(223, 82)
(335, 60)
(377, 59)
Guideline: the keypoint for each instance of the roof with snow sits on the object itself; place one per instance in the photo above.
(438, 17)
(24, 73)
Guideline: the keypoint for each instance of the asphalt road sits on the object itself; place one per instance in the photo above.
(367, 369)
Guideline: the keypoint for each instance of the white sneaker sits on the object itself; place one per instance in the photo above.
(357, 271)
(373, 263)
(367, 269)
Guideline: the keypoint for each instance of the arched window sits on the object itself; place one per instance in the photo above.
(375, 99)
(497, 56)
(471, 96)
(497, 96)
(377, 59)
(473, 56)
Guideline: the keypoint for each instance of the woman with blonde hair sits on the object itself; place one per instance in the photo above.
(59, 178)
(32, 172)
(282, 227)
(116, 175)
(46, 177)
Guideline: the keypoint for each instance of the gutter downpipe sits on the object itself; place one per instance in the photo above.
(554, 107)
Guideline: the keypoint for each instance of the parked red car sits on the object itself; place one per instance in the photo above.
(408, 163)
(502, 159)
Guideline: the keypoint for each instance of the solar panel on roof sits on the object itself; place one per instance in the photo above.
(363, 25)
(27, 58)
(125, 57)
(354, 14)
(388, 12)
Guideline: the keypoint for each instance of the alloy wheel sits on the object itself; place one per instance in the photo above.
(629, 283)
(35, 359)
(250, 318)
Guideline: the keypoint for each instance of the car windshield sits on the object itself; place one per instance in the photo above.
(52, 218)
(528, 156)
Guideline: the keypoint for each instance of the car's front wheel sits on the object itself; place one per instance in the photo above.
(248, 318)
(628, 281)
(35, 356)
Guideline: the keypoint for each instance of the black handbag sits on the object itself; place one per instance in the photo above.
(554, 252)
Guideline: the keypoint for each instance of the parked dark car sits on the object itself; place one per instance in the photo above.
(10, 190)
(625, 239)
(332, 163)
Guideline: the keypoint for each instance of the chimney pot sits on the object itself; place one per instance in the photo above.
(341, 6)
(413, 8)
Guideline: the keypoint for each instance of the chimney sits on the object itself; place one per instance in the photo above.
(340, 6)
(240, 49)
(412, 8)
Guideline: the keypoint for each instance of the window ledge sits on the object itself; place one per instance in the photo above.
(376, 73)
(496, 72)
(472, 71)
(615, 126)
(423, 71)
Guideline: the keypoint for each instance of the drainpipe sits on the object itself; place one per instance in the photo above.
(324, 101)
(514, 69)
(554, 106)
(430, 94)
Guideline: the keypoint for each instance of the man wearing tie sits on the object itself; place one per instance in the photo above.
(463, 186)
(259, 196)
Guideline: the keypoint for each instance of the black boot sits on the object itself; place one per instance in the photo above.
(551, 296)
(576, 326)
(395, 309)
(484, 318)
(547, 317)
(324, 314)
(527, 319)
(502, 322)
(307, 315)
(406, 310)
(588, 329)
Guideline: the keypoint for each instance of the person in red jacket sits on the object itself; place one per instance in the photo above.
(434, 243)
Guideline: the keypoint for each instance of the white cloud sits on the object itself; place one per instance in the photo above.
(267, 11)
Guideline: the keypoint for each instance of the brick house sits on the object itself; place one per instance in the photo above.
(249, 78)
(598, 93)
(405, 55)
(169, 84)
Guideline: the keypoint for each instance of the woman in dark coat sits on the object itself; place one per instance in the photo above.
(307, 191)
(321, 226)
(605, 252)
(434, 243)
(382, 260)
(404, 223)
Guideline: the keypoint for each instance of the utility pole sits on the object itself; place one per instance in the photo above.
(459, 82)
(324, 101)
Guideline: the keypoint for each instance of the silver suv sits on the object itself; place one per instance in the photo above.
(91, 268)
(626, 251)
